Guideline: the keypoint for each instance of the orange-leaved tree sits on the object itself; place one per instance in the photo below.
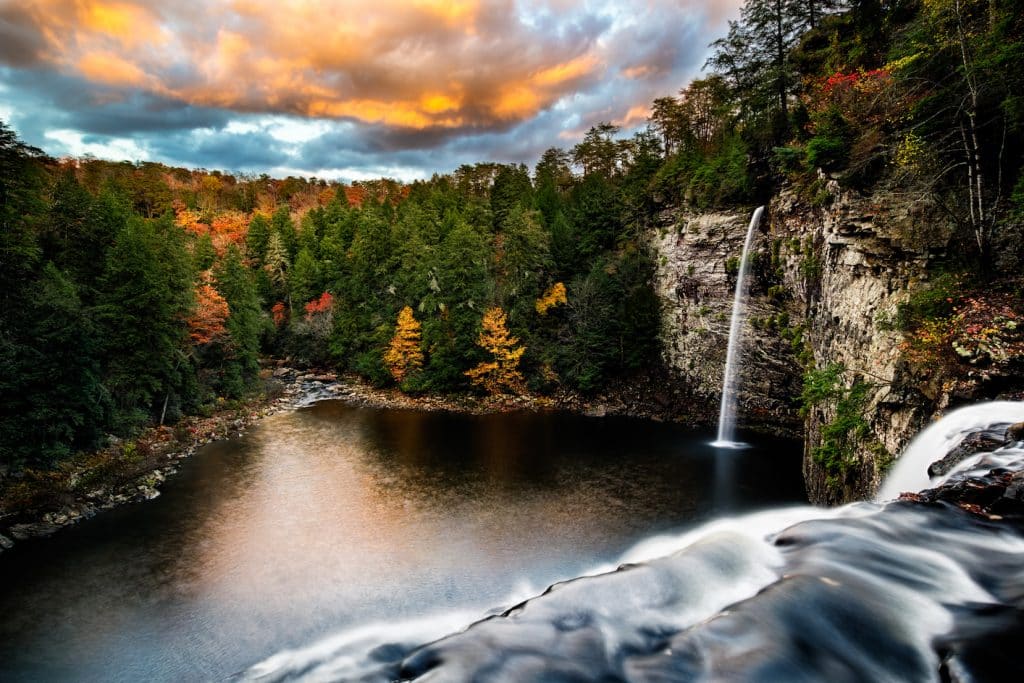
(320, 316)
(404, 355)
(500, 375)
(206, 324)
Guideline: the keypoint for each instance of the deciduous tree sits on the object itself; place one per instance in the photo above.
(404, 354)
(500, 375)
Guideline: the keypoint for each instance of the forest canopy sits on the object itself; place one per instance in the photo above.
(135, 293)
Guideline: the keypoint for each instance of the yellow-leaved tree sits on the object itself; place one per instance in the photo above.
(553, 296)
(500, 375)
(404, 355)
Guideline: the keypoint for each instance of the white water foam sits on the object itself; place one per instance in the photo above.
(910, 472)
(744, 592)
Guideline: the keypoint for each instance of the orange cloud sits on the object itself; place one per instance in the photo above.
(636, 115)
(418, 64)
(113, 70)
(561, 73)
(130, 25)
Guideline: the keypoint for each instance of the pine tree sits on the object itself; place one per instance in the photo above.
(245, 322)
(256, 239)
(50, 385)
(277, 263)
(281, 223)
(304, 282)
(502, 373)
(404, 355)
(146, 296)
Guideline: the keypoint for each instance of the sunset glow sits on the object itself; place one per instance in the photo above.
(476, 79)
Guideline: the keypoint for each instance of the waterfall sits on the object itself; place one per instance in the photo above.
(910, 473)
(733, 355)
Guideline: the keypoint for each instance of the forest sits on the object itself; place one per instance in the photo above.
(136, 293)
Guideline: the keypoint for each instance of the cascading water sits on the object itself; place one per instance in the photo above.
(900, 592)
(733, 355)
(910, 473)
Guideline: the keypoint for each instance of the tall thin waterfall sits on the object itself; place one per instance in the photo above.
(733, 356)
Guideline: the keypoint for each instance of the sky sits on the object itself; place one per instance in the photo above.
(340, 90)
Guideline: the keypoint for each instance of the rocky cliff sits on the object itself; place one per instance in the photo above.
(828, 279)
(697, 258)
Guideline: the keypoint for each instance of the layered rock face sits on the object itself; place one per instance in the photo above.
(828, 282)
(859, 258)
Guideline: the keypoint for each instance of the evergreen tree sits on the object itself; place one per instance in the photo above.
(257, 238)
(464, 287)
(304, 282)
(281, 223)
(50, 386)
(21, 209)
(145, 298)
(245, 324)
(511, 189)
(277, 264)
(523, 264)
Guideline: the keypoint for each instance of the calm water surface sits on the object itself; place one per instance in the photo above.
(334, 516)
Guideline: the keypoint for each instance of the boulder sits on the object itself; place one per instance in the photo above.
(1015, 432)
(977, 442)
(24, 532)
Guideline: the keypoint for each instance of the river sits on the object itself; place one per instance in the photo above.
(332, 516)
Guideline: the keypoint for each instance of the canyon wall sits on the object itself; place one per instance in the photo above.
(827, 283)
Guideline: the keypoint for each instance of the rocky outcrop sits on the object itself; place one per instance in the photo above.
(849, 265)
(828, 282)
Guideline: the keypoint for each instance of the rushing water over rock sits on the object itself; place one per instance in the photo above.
(910, 473)
(908, 591)
(733, 355)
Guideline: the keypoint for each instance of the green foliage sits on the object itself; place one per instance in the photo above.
(709, 179)
(810, 263)
(257, 238)
(305, 282)
(829, 148)
(145, 297)
(933, 301)
(821, 386)
(54, 403)
(281, 224)
(246, 324)
(837, 451)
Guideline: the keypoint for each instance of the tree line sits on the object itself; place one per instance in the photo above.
(135, 293)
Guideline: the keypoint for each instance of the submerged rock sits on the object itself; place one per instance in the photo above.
(23, 532)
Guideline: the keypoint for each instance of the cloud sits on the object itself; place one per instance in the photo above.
(420, 78)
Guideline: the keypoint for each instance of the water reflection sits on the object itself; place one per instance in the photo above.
(333, 516)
